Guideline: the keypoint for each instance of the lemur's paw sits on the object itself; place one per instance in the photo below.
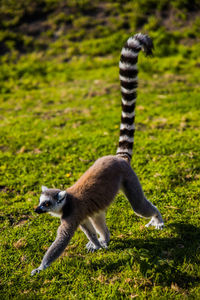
(156, 223)
(160, 226)
(35, 271)
(91, 247)
(103, 243)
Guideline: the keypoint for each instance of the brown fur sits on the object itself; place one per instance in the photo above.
(87, 199)
(98, 186)
(85, 202)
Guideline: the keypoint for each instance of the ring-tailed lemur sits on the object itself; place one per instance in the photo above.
(85, 202)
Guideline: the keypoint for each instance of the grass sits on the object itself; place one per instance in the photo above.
(60, 111)
(55, 121)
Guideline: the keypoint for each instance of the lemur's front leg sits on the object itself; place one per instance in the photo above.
(64, 235)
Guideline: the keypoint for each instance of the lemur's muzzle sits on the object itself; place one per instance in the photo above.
(39, 210)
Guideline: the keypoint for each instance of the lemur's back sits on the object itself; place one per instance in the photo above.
(101, 182)
(98, 186)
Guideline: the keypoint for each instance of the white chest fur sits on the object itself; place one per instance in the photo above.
(54, 214)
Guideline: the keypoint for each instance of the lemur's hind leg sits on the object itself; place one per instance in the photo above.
(99, 222)
(90, 232)
(141, 206)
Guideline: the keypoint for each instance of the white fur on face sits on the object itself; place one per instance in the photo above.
(54, 214)
(44, 198)
(55, 209)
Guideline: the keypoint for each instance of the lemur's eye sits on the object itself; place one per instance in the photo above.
(46, 204)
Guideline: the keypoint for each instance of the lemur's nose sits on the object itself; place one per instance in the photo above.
(38, 210)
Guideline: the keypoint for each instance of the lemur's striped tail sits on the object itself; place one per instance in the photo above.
(128, 78)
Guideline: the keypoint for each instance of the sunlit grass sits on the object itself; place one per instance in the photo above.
(56, 119)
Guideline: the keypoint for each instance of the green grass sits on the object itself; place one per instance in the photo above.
(60, 111)
(56, 119)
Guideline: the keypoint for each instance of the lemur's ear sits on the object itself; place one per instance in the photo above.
(44, 188)
(61, 196)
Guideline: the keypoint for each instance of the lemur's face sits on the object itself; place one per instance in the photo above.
(51, 200)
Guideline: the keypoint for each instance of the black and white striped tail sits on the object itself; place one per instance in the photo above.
(129, 81)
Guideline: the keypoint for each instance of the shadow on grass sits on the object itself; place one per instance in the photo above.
(164, 261)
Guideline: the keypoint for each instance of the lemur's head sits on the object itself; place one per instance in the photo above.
(51, 200)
